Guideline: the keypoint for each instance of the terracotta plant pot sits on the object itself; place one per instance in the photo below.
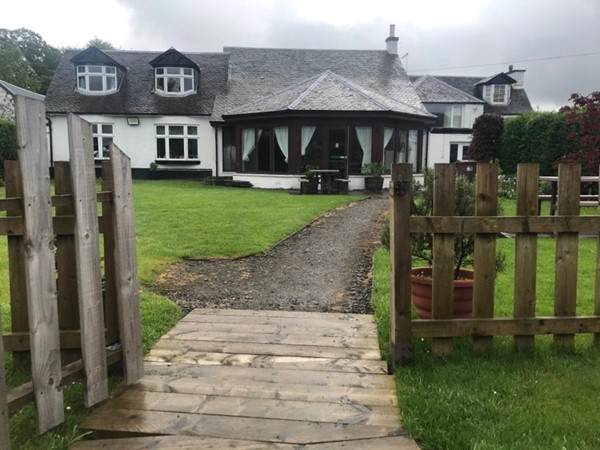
(421, 283)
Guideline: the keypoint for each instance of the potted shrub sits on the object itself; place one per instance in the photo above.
(422, 249)
(373, 178)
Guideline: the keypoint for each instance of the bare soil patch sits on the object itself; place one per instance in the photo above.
(326, 266)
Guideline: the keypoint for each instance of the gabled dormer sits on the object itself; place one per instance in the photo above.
(175, 75)
(496, 89)
(97, 73)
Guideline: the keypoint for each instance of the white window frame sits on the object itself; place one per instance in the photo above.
(181, 74)
(452, 112)
(186, 136)
(100, 135)
(490, 91)
(85, 72)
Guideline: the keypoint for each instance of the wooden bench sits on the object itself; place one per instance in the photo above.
(304, 186)
(584, 200)
(342, 185)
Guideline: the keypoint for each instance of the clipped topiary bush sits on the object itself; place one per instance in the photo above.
(487, 133)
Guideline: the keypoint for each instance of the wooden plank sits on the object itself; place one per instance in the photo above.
(63, 225)
(355, 331)
(274, 338)
(567, 244)
(87, 251)
(507, 326)
(443, 255)
(111, 311)
(23, 395)
(245, 313)
(383, 443)
(247, 376)
(526, 251)
(66, 280)
(4, 426)
(19, 317)
(67, 199)
(264, 361)
(40, 268)
(20, 341)
(125, 261)
(348, 413)
(401, 345)
(271, 349)
(179, 443)
(299, 392)
(494, 225)
(597, 284)
(269, 430)
(485, 251)
(11, 203)
(11, 226)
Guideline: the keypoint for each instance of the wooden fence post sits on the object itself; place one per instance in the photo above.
(16, 266)
(526, 251)
(127, 288)
(87, 249)
(597, 290)
(443, 255)
(401, 345)
(485, 251)
(4, 426)
(565, 287)
(40, 268)
(66, 280)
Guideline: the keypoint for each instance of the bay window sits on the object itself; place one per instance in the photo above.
(177, 142)
(97, 79)
(174, 80)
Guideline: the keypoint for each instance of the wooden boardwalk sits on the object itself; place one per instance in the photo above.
(257, 379)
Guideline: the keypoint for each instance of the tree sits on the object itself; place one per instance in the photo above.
(41, 58)
(487, 132)
(100, 44)
(15, 69)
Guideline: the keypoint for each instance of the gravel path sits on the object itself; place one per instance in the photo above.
(324, 267)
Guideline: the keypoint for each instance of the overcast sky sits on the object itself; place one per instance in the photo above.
(440, 36)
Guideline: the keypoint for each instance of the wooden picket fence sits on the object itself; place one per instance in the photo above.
(486, 225)
(63, 316)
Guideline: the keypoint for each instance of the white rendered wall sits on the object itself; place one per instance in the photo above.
(139, 142)
(439, 146)
(471, 112)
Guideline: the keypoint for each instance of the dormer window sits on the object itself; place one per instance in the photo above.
(97, 79)
(174, 80)
(496, 94)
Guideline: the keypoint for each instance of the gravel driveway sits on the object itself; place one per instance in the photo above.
(324, 267)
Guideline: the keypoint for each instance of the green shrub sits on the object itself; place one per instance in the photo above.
(8, 143)
(487, 134)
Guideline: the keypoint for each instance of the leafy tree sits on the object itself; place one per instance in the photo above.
(14, 68)
(100, 44)
(8, 143)
(41, 58)
(487, 132)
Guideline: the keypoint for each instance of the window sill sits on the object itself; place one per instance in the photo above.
(96, 93)
(177, 162)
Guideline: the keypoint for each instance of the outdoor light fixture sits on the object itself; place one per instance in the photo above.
(133, 121)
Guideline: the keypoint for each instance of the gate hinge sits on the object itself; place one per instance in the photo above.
(401, 188)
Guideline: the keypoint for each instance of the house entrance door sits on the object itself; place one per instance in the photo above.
(337, 150)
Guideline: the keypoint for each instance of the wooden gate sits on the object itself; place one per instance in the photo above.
(64, 311)
(486, 225)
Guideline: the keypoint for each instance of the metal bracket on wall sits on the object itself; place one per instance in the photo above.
(401, 188)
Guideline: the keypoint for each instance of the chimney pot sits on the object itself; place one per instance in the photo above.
(391, 42)
(510, 68)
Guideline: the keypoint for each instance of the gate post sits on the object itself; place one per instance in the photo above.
(401, 345)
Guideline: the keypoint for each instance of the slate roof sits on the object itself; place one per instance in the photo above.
(518, 104)
(135, 94)
(325, 92)
(16, 90)
(433, 90)
(258, 74)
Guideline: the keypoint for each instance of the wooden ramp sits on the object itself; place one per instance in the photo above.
(257, 379)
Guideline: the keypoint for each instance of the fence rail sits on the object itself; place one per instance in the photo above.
(486, 225)
(62, 317)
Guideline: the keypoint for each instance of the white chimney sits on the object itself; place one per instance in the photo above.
(517, 74)
(391, 41)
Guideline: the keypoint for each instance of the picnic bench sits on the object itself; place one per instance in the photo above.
(584, 199)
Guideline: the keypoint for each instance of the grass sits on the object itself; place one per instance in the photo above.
(174, 220)
(503, 400)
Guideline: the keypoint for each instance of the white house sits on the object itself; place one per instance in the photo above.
(458, 101)
(7, 94)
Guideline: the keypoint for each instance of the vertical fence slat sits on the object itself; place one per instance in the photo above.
(526, 251)
(87, 249)
(16, 266)
(443, 255)
(597, 290)
(111, 315)
(128, 300)
(401, 347)
(485, 251)
(4, 427)
(40, 268)
(565, 293)
(66, 280)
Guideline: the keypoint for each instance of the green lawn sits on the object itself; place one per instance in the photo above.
(174, 220)
(502, 400)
